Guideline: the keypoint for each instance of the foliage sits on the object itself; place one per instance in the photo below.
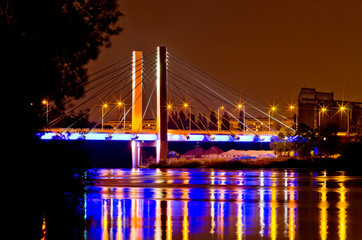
(213, 121)
(351, 153)
(282, 144)
(225, 122)
(304, 140)
(45, 47)
(324, 139)
(356, 130)
(327, 140)
(50, 42)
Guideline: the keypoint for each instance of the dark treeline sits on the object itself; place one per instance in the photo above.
(345, 152)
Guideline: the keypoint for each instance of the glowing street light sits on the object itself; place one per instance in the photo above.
(46, 103)
(186, 105)
(273, 109)
(321, 111)
(103, 113)
(344, 109)
(120, 104)
(241, 106)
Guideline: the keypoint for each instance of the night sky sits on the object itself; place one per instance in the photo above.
(267, 49)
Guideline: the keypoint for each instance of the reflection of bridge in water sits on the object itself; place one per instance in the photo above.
(248, 204)
(180, 93)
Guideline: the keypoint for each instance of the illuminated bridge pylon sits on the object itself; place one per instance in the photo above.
(161, 143)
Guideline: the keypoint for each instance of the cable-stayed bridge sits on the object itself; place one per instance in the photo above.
(178, 101)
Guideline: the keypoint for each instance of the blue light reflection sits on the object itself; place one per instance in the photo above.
(209, 204)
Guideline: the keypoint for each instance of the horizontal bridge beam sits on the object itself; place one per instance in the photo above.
(172, 137)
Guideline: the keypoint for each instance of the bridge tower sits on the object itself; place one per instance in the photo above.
(161, 121)
(137, 72)
(161, 118)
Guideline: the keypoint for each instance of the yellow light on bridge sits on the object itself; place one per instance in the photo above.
(273, 108)
(186, 105)
(44, 102)
(105, 105)
(240, 106)
(169, 106)
(324, 109)
(342, 108)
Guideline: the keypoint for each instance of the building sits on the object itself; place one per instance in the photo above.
(317, 109)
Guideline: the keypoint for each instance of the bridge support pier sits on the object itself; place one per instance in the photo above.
(136, 154)
(137, 72)
(161, 121)
(161, 118)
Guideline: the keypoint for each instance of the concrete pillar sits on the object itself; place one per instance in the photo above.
(136, 105)
(161, 121)
(136, 154)
(137, 91)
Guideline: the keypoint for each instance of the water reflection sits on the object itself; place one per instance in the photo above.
(189, 204)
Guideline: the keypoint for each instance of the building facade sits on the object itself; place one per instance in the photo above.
(318, 109)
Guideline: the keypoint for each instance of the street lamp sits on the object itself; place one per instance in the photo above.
(321, 111)
(241, 106)
(120, 104)
(46, 103)
(186, 105)
(218, 118)
(103, 113)
(271, 110)
(343, 109)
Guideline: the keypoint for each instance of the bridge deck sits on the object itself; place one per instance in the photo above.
(150, 135)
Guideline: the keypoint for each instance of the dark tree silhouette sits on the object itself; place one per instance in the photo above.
(45, 46)
(184, 123)
(213, 121)
(202, 122)
(304, 140)
(225, 125)
(173, 121)
(327, 140)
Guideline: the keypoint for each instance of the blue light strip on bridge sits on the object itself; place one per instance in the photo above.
(153, 137)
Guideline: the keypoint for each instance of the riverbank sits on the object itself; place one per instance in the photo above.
(316, 163)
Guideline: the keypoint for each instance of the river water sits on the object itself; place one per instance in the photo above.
(216, 204)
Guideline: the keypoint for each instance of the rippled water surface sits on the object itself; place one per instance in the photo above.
(216, 204)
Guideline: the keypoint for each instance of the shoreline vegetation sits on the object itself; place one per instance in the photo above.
(312, 163)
